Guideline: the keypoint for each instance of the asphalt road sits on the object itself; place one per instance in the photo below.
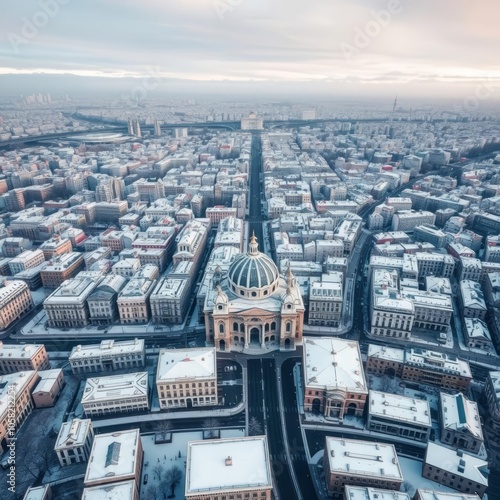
(263, 404)
(293, 434)
(256, 188)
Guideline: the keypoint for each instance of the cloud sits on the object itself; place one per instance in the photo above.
(282, 40)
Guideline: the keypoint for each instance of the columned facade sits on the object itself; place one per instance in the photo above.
(253, 308)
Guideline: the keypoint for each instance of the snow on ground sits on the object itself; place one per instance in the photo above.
(36, 439)
(167, 455)
(39, 295)
(412, 473)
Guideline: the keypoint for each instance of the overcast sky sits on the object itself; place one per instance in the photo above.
(433, 47)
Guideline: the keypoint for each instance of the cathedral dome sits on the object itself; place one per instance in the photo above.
(253, 275)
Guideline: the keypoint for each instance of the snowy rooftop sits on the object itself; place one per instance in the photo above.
(387, 353)
(14, 351)
(228, 464)
(13, 383)
(363, 458)
(457, 462)
(116, 387)
(187, 364)
(73, 290)
(460, 414)
(444, 495)
(73, 433)
(107, 348)
(477, 329)
(402, 408)
(47, 379)
(331, 362)
(366, 493)
(37, 493)
(428, 299)
(438, 361)
(438, 285)
(123, 490)
(136, 289)
(10, 290)
(169, 288)
(114, 456)
(472, 295)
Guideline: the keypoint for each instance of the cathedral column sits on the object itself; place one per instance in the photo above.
(246, 336)
(262, 337)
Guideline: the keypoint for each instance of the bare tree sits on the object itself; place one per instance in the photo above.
(173, 477)
(254, 427)
(211, 424)
(152, 492)
(158, 471)
(164, 427)
(385, 384)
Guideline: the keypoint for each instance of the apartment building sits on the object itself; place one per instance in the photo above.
(187, 378)
(492, 396)
(367, 493)
(460, 422)
(66, 307)
(103, 309)
(126, 267)
(433, 311)
(133, 301)
(228, 468)
(15, 387)
(26, 260)
(191, 242)
(433, 264)
(74, 441)
(116, 394)
(230, 232)
(115, 459)
(123, 490)
(360, 463)
(399, 416)
(16, 358)
(470, 269)
(424, 494)
(325, 303)
(109, 355)
(408, 220)
(15, 302)
(472, 300)
(56, 246)
(218, 213)
(420, 366)
(334, 379)
(170, 300)
(49, 387)
(477, 334)
(455, 469)
(61, 268)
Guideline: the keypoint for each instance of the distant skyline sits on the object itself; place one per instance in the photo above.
(375, 48)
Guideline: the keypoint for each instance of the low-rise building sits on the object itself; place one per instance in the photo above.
(16, 358)
(364, 463)
(187, 378)
(334, 380)
(117, 393)
(325, 303)
(15, 402)
(115, 458)
(48, 388)
(107, 356)
(61, 268)
(492, 396)
(399, 416)
(133, 301)
(15, 302)
(472, 299)
(477, 334)
(419, 366)
(66, 307)
(460, 422)
(74, 441)
(126, 267)
(56, 246)
(103, 309)
(367, 493)
(228, 468)
(458, 470)
(424, 494)
(170, 300)
(122, 490)
(26, 260)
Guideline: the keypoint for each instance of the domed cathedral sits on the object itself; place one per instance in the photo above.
(253, 309)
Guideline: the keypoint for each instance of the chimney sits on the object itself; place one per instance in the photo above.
(229, 461)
